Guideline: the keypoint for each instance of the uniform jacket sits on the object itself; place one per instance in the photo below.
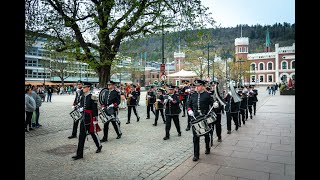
(231, 106)
(200, 103)
(160, 104)
(133, 99)
(172, 107)
(112, 97)
(152, 99)
(79, 92)
(90, 111)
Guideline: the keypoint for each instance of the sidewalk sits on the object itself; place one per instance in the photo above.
(263, 148)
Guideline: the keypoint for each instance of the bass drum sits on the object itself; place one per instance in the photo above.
(102, 95)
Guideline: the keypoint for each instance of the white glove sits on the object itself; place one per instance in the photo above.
(72, 107)
(149, 96)
(190, 112)
(215, 104)
(81, 109)
(170, 98)
(158, 100)
(111, 105)
(166, 100)
(130, 95)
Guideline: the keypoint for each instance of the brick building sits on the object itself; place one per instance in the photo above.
(268, 67)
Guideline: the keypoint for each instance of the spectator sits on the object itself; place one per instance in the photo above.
(50, 91)
(38, 101)
(138, 89)
(30, 106)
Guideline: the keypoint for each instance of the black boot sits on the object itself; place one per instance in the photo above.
(76, 157)
(195, 158)
(128, 122)
(138, 119)
(207, 151)
(104, 139)
(99, 149)
(119, 136)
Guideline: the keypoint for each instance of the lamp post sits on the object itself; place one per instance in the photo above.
(240, 61)
(44, 74)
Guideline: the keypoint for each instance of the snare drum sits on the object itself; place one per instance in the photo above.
(211, 118)
(106, 115)
(200, 125)
(75, 114)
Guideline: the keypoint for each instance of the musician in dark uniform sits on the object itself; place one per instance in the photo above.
(150, 99)
(217, 108)
(255, 99)
(132, 103)
(184, 94)
(172, 111)
(243, 107)
(199, 104)
(76, 101)
(89, 122)
(250, 99)
(111, 100)
(232, 110)
(192, 91)
(159, 106)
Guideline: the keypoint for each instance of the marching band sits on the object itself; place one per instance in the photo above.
(201, 99)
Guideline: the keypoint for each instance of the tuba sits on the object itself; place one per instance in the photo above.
(234, 94)
(101, 95)
(217, 95)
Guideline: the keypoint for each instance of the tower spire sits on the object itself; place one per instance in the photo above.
(268, 42)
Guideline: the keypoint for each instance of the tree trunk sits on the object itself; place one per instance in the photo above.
(104, 75)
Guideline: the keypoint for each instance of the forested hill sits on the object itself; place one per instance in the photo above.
(221, 41)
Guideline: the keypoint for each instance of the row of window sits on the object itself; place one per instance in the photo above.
(284, 65)
(284, 78)
(35, 73)
(37, 63)
(242, 49)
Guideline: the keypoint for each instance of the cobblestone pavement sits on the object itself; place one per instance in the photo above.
(141, 153)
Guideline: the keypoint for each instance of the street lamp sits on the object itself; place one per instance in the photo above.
(240, 61)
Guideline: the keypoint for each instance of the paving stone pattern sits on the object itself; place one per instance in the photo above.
(141, 153)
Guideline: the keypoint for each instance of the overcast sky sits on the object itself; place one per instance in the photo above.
(229, 13)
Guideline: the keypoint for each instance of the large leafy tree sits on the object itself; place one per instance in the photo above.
(98, 27)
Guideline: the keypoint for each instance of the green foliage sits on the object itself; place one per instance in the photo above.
(282, 88)
(222, 40)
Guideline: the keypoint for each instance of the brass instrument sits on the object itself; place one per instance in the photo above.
(234, 94)
(128, 98)
(156, 105)
(147, 100)
(217, 95)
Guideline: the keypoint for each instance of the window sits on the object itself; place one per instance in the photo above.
(253, 78)
(293, 65)
(284, 65)
(253, 67)
(261, 66)
(293, 77)
(261, 79)
(152, 75)
(240, 49)
(270, 66)
(269, 78)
